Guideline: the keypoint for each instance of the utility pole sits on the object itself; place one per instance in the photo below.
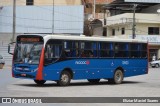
(14, 20)
(104, 17)
(94, 9)
(134, 22)
(53, 19)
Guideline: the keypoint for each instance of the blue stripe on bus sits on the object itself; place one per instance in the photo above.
(102, 68)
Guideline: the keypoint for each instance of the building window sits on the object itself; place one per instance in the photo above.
(153, 30)
(29, 2)
(113, 32)
(123, 31)
(104, 31)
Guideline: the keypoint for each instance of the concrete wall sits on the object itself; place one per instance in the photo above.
(10, 2)
(41, 2)
(128, 18)
(141, 29)
(5, 38)
(58, 2)
(118, 29)
(33, 19)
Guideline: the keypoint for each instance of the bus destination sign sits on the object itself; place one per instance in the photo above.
(30, 39)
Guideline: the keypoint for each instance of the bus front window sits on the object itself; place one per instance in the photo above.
(53, 50)
(28, 53)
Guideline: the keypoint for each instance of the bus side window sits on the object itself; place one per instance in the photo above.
(57, 50)
(105, 49)
(116, 50)
(94, 50)
(53, 51)
(48, 51)
(121, 50)
(71, 49)
(64, 54)
(47, 54)
(88, 49)
(135, 50)
(82, 54)
(144, 51)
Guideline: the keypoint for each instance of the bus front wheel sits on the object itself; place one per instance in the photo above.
(39, 82)
(65, 79)
(118, 77)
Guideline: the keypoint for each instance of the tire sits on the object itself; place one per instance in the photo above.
(157, 65)
(65, 79)
(118, 77)
(93, 80)
(39, 82)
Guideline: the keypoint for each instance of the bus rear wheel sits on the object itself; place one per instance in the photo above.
(65, 79)
(118, 77)
(93, 80)
(39, 82)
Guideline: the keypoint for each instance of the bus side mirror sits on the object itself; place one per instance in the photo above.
(9, 48)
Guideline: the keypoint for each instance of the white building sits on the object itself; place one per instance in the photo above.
(147, 20)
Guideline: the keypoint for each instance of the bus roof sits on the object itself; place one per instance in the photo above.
(87, 38)
(84, 38)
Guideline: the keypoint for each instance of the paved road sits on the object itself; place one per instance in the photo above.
(139, 86)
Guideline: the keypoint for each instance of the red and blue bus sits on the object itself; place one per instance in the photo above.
(62, 58)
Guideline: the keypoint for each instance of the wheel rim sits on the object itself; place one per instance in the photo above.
(65, 78)
(118, 76)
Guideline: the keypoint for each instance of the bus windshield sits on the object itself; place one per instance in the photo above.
(27, 53)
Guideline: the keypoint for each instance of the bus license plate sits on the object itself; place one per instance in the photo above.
(23, 75)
